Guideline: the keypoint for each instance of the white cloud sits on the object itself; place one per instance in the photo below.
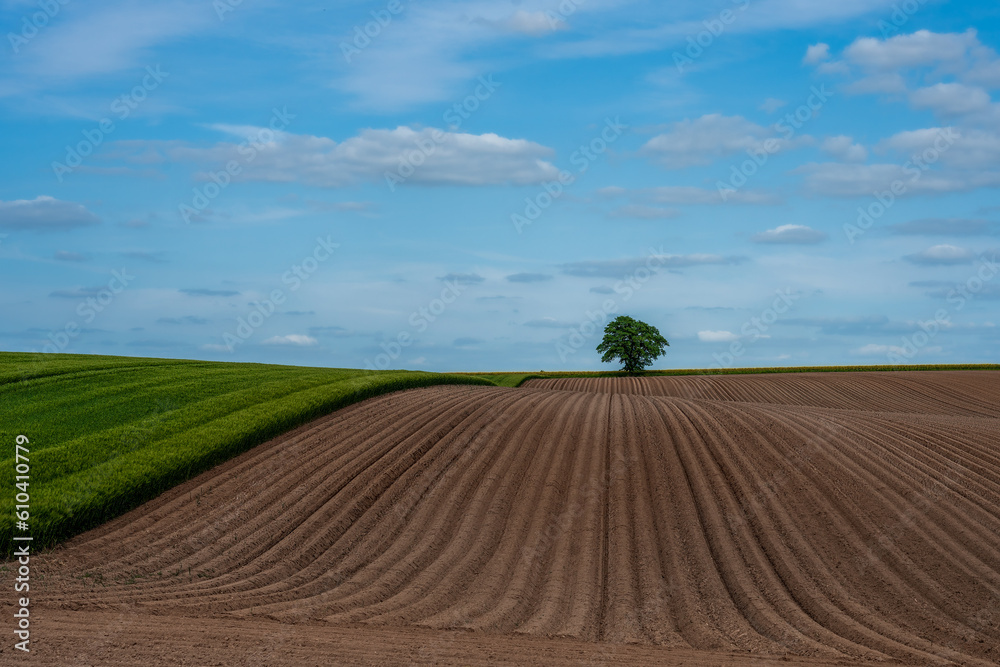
(843, 148)
(292, 339)
(944, 254)
(884, 61)
(921, 48)
(816, 53)
(791, 234)
(705, 139)
(678, 21)
(717, 336)
(878, 84)
(962, 148)
(862, 180)
(951, 99)
(44, 213)
(453, 158)
(109, 37)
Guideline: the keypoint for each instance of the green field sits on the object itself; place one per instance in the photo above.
(109, 433)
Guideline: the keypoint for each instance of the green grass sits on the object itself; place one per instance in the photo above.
(109, 433)
(516, 379)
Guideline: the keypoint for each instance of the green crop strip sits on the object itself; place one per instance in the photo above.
(109, 433)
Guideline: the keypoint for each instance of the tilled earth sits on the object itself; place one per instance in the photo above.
(820, 518)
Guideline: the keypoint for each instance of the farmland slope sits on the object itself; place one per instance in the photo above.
(835, 517)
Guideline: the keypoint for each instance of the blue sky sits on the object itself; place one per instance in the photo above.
(480, 186)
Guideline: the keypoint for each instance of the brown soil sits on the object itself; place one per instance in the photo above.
(686, 520)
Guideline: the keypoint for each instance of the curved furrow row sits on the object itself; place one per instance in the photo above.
(736, 560)
(466, 511)
(933, 510)
(833, 515)
(783, 591)
(282, 497)
(373, 510)
(928, 392)
(868, 553)
(800, 562)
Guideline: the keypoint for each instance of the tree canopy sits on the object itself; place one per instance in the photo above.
(636, 344)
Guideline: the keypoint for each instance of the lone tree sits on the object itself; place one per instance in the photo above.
(636, 344)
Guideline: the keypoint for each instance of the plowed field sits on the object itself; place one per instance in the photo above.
(827, 517)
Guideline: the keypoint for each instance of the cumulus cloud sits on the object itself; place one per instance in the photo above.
(843, 148)
(717, 336)
(792, 234)
(705, 139)
(964, 148)
(300, 340)
(921, 48)
(883, 61)
(951, 99)
(816, 53)
(944, 254)
(429, 156)
(44, 213)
